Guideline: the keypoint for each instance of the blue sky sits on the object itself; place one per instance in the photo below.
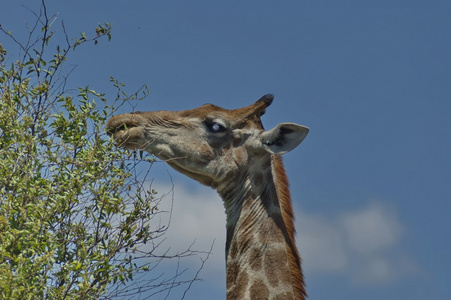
(371, 182)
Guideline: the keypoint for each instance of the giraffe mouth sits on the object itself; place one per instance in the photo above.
(118, 124)
(125, 131)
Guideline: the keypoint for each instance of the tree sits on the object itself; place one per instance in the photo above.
(75, 212)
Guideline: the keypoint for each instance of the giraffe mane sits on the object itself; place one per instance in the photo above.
(283, 193)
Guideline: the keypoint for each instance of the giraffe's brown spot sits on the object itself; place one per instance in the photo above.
(270, 231)
(259, 291)
(233, 251)
(236, 288)
(255, 259)
(239, 156)
(232, 273)
(276, 271)
(206, 152)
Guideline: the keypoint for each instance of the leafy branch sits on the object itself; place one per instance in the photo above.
(78, 219)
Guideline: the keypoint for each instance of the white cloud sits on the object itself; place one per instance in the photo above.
(320, 244)
(372, 229)
(382, 269)
(362, 244)
(373, 236)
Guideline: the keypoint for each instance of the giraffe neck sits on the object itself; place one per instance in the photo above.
(262, 259)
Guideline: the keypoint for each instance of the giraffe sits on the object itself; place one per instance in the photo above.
(230, 151)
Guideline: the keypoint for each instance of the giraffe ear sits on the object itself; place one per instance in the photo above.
(283, 138)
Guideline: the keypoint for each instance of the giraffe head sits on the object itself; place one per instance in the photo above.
(208, 143)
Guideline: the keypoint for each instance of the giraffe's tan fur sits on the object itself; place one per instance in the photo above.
(230, 151)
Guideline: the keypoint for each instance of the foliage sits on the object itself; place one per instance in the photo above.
(74, 216)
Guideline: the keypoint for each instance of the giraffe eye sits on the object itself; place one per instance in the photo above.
(216, 127)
